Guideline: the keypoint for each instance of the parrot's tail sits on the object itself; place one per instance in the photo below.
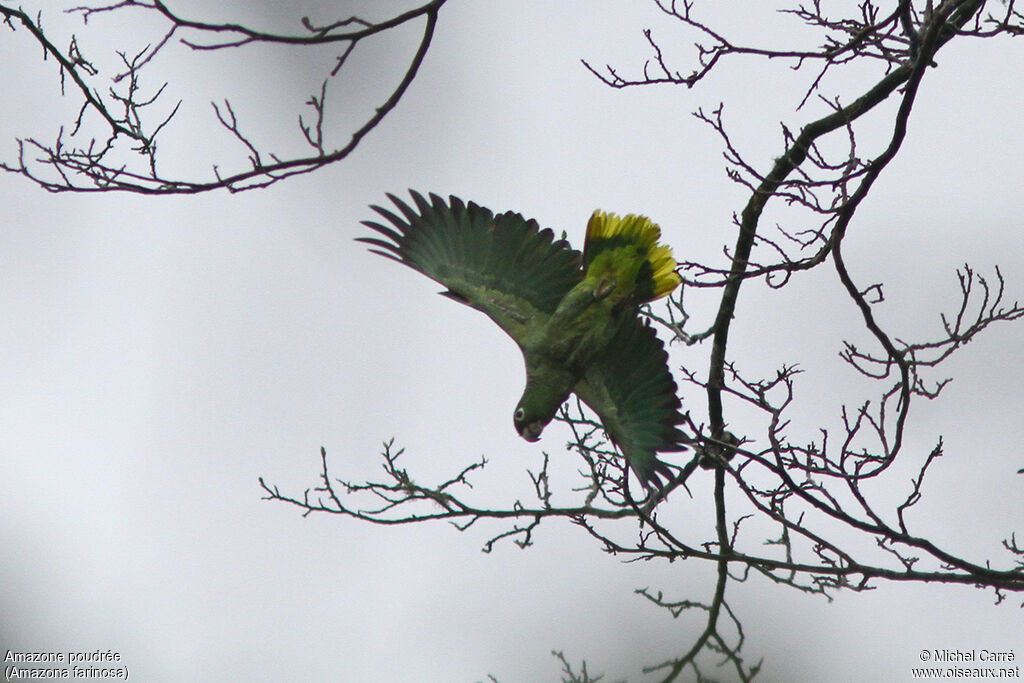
(629, 238)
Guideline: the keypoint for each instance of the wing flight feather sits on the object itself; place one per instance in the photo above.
(631, 389)
(504, 265)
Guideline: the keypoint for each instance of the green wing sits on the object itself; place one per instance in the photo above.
(632, 391)
(503, 265)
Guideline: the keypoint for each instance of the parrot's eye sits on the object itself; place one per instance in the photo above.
(520, 414)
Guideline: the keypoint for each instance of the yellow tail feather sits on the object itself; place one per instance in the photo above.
(607, 231)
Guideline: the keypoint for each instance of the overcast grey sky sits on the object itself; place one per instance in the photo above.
(161, 354)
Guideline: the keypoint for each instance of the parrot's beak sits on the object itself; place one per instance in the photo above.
(531, 432)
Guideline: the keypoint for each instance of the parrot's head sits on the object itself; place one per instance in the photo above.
(529, 423)
(545, 392)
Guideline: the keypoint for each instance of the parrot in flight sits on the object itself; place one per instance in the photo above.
(574, 316)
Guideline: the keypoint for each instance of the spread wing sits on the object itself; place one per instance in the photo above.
(632, 391)
(503, 265)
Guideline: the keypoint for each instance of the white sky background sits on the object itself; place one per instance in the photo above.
(160, 354)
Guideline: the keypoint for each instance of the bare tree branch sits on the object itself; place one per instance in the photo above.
(80, 162)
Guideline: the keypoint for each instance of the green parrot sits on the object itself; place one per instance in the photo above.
(574, 316)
